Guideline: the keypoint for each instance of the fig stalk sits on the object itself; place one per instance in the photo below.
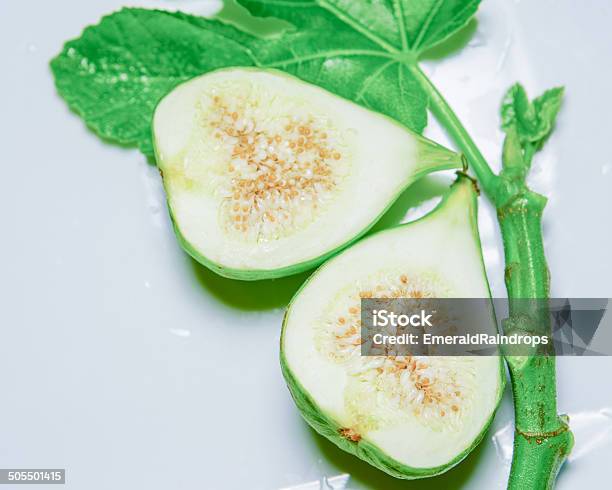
(542, 439)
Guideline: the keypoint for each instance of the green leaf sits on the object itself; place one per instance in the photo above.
(532, 121)
(363, 50)
(395, 25)
(116, 72)
(430, 22)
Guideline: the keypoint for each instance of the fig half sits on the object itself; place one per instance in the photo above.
(267, 175)
(409, 416)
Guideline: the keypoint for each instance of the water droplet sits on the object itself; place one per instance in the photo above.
(477, 41)
(592, 430)
(502, 440)
(180, 332)
(338, 482)
(504, 54)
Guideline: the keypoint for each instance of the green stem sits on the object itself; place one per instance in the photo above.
(455, 129)
(542, 438)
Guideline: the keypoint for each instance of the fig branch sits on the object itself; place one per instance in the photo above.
(542, 438)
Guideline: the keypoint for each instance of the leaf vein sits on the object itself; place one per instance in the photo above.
(428, 20)
(370, 78)
(454, 22)
(399, 12)
(327, 54)
(357, 26)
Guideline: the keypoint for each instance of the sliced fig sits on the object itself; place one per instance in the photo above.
(267, 175)
(411, 416)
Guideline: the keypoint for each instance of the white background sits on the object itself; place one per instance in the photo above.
(131, 366)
